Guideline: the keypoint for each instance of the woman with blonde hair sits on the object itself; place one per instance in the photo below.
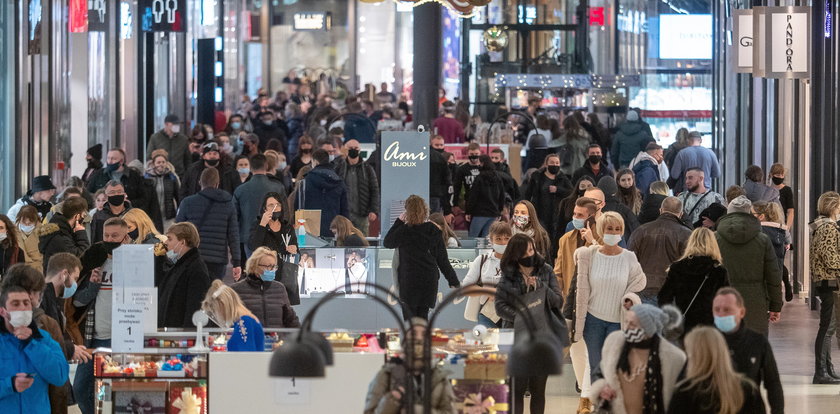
(347, 235)
(225, 308)
(692, 280)
(711, 385)
(422, 258)
(140, 227)
(772, 224)
(263, 294)
(526, 221)
(449, 236)
(651, 204)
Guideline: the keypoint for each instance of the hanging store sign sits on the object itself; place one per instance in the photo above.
(98, 14)
(759, 47)
(788, 42)
(312, 21)
(596, 16)
(163, 15)
(743, 45)
(405, 159)
(77, 16)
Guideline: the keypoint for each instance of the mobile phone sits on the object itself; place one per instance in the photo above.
(31, 375)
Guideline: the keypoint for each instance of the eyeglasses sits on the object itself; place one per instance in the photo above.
(267, 266)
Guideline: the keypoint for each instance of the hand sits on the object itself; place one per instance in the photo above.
(607, 393)
(398, 393)
(586, 234)
(468, 217)
(292, 249)
(402, 217)
(22, 382)
(79, 226)
(266, 217)
(628, 304)
(552, 189)
(23, 333)
(237, 273)
(775, 316)
(708, 223)
(371, 216)
(449, 218)
(96, 275)
(81, 354)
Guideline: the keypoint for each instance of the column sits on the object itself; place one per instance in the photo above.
(427, 62)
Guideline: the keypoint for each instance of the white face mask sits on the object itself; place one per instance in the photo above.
(612, 239)
(499, 248)
(20, 318)
(3, 236)
(176, 129)
(26, 229)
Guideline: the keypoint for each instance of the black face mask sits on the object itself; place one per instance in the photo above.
(116, 200)
(528, 261)
(439, 150)
(305, 150)
(212, 163)
(134, 234)
(277, 215)
(594, 159)
(778, 180)
(110, 246)
(473, 157)
(113, 167)
(353, 153)
(553, 169)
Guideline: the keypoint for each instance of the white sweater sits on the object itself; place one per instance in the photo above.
(608, 279)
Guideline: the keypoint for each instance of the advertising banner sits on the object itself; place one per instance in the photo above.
(405, 171)
(163, 15)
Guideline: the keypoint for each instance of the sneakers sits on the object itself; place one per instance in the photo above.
(585, 406)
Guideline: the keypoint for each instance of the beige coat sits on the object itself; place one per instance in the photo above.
(380, 400)
(636, 281)
(29, 245)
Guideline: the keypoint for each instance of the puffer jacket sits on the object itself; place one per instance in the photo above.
(379, 399)
(167, 186)
(213, 213)
(631, 137)
(268, 301)
(657, 245)
(228, 179)
(42, 356)
(362, 188)
(825, 249)
(685, 278)
(57, 237)
(753, 268)
(322, 189)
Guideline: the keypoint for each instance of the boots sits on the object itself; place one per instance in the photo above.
(786, 282)
(585, 406)
(829, 366)
(822, 375)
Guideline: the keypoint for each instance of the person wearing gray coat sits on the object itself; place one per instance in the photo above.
(249, 196)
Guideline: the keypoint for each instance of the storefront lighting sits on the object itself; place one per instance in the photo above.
(219, 44)
(219, 69)
(219, 95)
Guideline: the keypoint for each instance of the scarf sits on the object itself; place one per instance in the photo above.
(653, 401)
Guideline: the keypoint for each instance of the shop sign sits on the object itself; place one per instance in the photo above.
(596, 16)
(743, 44)
(98, 12)
(312, 21)
(405, 171)
(163, 15)
(759, 44)
(789, 42)
(77, 16)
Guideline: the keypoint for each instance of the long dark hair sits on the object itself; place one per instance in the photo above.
(487, 167)
(576, 192)
(516, 249)
(11, 241)
(284, 221)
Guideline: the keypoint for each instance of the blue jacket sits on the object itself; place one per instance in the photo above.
(359, 129)
(646, 174)
(249, 197)
(219, 230)
(41, 356)
(322, 189)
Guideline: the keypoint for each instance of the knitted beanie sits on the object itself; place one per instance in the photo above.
(654, 320)
(740, 204)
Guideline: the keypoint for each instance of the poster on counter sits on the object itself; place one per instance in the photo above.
(323, 270)
(405, 160)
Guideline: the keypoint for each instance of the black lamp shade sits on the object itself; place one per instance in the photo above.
(318, 340)
(534, 357)
(299, 359)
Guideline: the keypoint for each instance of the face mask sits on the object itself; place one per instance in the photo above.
(353, 153)
(725, 323)
(70, 291)
(594, 159)
(498, 165)
(116, 200)
(212, 163)
(110, 246)
(527, 261)
(634, 336)
(579, 223)
(473, 157)
(3, 236)
(332, 157)
(439, 150)
(521, 221)
(26, 229)
(268, 275)
(227, 147)
(209, 135)
(172, 255)
(305, 150)
(282, 166)
(612, 239)
(176, 128)
(778, 180)
(113, 167)
(134, 234)
(499, 248)
(244, 171)
(277, 215)
(236, 125)
(20, 319)
(553, 169)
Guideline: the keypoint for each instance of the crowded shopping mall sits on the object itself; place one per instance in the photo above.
(419, 207)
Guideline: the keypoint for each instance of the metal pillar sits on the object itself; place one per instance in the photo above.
(427, 62)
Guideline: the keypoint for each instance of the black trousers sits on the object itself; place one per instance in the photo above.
(822, 344)
(216, 270)
(534, 385)
(418, 311)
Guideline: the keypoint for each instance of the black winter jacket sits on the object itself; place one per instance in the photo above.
(512, 283)
(362, 188)
(132, 181)
(544, 202)
(97, 223)
(263, 236)
(228, 179)
(268, 301)
(440, 180)
(322, 189)
(650, 208)
(753, 356)
(213, 213)
(464, 178)
(698, 400)
(171, 187)
(422, 258)
(684, 279)
(182, 289)
(631, 223)
(487, 196)
(57, 237)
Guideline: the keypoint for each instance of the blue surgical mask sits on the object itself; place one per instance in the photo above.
(268, 275)
(579, 223)
(725, 324)
(236, 125)
(70, 291)
(243, 171)
(282, 166)
(26, 229)
(172, 255)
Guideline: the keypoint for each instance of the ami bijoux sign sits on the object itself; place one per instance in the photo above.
(788, 42)
(405, 171)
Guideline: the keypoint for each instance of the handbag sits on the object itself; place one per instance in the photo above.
(474, 305)
(547, 322)
(289, 279)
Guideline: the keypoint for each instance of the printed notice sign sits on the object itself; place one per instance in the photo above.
(292, 391)
(127, 332)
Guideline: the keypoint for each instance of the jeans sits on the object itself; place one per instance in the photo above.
(479, 226)
(216, 270)
(822, 344)
(649, 299)
(83, 387)
(534, 385)
(483, 320)
(595, 332)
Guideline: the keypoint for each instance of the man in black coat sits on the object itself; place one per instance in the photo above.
(214, 215)
(440, 179)
(210, 158)
(65, 233)
(362, 187)
(133, 182)
(267, 127)
(116, 206)
(751, 353)
(594, 167)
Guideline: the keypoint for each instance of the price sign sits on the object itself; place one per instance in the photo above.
(127, 328)
(292, 391)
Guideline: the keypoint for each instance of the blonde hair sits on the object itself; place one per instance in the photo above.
(272, 159)
(828, 204)
(702, 242)
(772, 211)
(659, 187)
(445, 230)
(254, 261)
(142, 222)
(416, 210)
(607, 219)
(344, 228)
(224, 303)
(709, 370)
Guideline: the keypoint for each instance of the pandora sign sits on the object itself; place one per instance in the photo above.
(788, 49)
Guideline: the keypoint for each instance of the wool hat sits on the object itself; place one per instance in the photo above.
(740, 204)
(654, 320)
(632, 115)
(608, 186)
(95, 152)
(42, 183)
